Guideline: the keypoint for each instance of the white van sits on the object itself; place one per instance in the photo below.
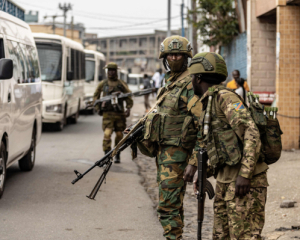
(20, 96)
(135, 82)
(62, 63)
(94, 73)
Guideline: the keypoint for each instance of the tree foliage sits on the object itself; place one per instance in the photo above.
(217, 21)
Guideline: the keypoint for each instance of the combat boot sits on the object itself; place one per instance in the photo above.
(117, 158)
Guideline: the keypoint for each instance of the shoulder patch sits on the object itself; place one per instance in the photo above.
(189, 86)
(238, 106)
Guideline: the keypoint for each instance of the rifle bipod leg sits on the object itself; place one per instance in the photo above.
(99, 182)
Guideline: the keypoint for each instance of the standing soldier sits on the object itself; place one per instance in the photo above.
(114, 116)
(232, 141)
(171, 134)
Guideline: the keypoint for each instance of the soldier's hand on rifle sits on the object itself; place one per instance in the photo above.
(127, 112)
(195, 183)
(189, 173)
(242, 186)
(127, 130)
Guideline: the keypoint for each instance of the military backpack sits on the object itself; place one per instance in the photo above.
(269, 129)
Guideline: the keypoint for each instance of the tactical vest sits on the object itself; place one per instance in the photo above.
(167, 126)
(108, 89)
(222, 144)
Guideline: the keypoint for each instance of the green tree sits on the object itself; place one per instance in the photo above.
(218, 23)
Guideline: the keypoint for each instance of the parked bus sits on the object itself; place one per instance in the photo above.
(94, 73)
(62, 63)
(20, 96)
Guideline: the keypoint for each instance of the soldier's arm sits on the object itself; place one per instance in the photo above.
(195, 106)
(98, 91)
(241, 122)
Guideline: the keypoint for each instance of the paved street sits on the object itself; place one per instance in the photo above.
(43, 204)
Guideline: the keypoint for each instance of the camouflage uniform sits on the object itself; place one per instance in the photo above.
(172, 131)
(113, 120)
(233, 146)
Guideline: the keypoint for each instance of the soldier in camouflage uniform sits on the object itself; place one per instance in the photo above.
(233, 146)
(172, 133)
(114, 117)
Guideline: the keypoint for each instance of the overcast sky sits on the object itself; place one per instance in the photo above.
(112, 17)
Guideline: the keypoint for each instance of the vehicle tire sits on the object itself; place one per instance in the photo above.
(26, 163)
(91, 111)
(3, 159)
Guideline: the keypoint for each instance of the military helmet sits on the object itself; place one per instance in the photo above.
(175, 44)
(208, 63)
(111, 65)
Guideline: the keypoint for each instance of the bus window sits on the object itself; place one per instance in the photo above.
(1, 49)
(50, 56)
(133, 81)
(89, 70)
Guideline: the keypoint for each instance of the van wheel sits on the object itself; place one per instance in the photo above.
(2, 167)
(27, 162)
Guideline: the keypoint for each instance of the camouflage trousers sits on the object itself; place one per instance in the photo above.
(171, 162)
(240, 218)
(112, 122)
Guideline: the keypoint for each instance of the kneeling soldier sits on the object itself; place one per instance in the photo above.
(232, 140)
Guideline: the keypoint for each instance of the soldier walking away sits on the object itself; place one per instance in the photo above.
(170, 135)
(232, 140)
(114, 116)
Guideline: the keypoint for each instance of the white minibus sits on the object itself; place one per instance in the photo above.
(94, 73)
(135, 82)
(62, 62)
(20, 96)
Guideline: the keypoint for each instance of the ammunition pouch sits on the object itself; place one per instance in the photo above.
(170, 130)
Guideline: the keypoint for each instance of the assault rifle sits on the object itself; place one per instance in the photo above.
(118, 95)
(106, 161)
(204, 186)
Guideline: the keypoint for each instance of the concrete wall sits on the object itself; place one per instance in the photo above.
(235, 55)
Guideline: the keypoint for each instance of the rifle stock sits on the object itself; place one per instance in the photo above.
(204, 187)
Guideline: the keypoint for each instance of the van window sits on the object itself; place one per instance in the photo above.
(2, 55)
(31, 60)
(50, 56)
(18, 61)
(101, 69)
(133, 81)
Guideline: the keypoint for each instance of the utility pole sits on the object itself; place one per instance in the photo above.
(169, 18)
(65, 8)
(182, 19)
(194, 17)
(53, 21)
(72, 28)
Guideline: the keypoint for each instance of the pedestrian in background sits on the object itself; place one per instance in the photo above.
(156, 79)
(237, 82)
(147, 85)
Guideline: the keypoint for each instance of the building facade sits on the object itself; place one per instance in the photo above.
(12, 8)
(135, 53)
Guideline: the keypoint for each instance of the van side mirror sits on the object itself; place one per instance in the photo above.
(100, 78)
(70, 76)
(6, 68)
